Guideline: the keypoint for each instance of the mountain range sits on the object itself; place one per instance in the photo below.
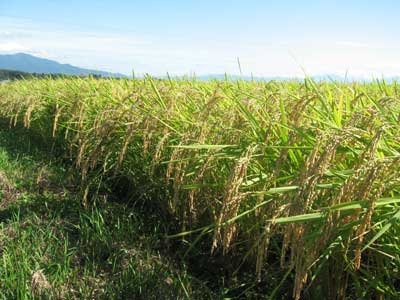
(33, 64)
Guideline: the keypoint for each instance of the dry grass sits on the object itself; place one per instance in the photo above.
(7, 191)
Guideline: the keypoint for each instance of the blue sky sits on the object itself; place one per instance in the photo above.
(271, 38)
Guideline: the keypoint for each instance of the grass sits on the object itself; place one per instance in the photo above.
(296, 181)
(52, 248)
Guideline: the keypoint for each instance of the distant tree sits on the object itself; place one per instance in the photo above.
(18, 75)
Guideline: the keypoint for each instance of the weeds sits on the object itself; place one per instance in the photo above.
(52, 248)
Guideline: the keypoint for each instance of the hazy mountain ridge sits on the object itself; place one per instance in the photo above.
(318, 78)
(32, 64)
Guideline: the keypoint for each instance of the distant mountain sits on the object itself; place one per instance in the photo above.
(317, 78)
(242, 77)
(235, 77)
(32, 64)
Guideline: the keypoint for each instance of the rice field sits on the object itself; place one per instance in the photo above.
(299, 177)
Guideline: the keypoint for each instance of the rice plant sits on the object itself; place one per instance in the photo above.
(306, 172)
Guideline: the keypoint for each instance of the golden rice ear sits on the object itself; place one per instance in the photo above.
(264, 240)
(56, 117)
(16, 117)
(158, 152)
(179, 174)
(231, 201)
(129, 135)
(27, 116)
(81, 152)
(85, 196)
(192, 205)
(81, 117)
(10, 122)
(315, 166)
(147, 135)
(171, 165)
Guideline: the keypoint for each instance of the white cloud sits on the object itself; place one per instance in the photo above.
(121, 51)
(5, 34)
(353, 44)
(12, 47)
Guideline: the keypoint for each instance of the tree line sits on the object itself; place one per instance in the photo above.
(17, 75)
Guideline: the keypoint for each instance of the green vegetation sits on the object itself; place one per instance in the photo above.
(298, 182)
(52, 248)
(11, 75)
(18, 75)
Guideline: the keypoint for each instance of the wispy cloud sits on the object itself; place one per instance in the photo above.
(12, 35)
(114, 51)
(121, 51)
(355, 44)
(12, 47)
